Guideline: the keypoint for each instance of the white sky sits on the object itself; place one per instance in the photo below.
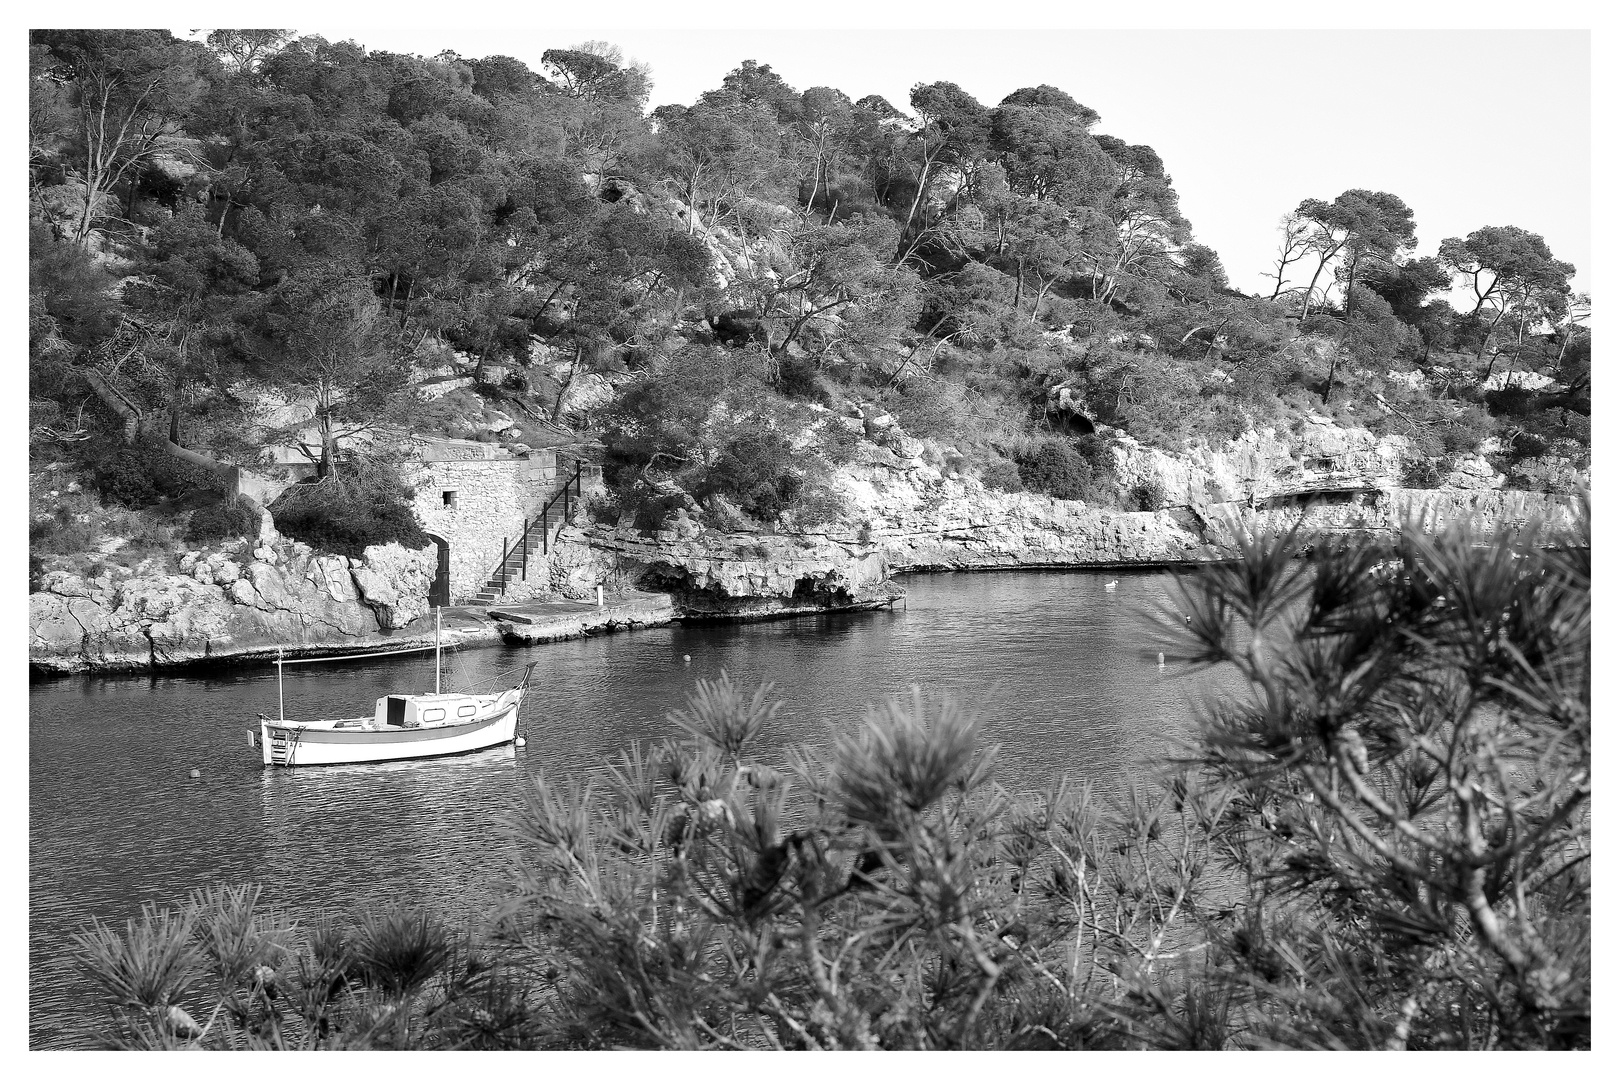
(1470, 128)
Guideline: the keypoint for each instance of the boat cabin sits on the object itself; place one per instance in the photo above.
(425, 710)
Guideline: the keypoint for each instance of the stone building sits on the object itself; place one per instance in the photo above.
(473, 499)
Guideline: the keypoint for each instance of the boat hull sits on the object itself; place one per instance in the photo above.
(289, 745)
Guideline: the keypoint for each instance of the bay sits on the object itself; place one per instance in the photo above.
(1064, 670)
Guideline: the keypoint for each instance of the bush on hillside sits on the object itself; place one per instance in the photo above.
(138, 474)
(796, 377)
(347, 512)
(1425, 473)
(227, 519)
(762, 474)
(705, 422)
(999, 474)
(1146, 495)
(1081, 468)
(1466, 430)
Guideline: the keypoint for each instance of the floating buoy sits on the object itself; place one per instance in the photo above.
(195, 773)
(521, 741)
(686, 658)
(1161, 660)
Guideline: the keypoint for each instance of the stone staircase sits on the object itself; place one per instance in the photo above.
(528, 551)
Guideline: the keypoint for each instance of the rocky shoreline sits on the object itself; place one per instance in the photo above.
(245, 601)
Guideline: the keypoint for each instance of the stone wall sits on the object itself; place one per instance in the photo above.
(492, 498)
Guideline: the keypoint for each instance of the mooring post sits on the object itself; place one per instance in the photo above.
(525, 542)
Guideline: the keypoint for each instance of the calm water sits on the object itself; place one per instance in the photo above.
(1066, 671)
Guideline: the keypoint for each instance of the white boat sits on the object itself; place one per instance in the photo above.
(401, 726)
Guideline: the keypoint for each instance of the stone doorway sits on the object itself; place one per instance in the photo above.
(439, 593)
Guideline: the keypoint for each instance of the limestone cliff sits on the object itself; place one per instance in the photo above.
(243, 599)
(915, 517)
(732, 575)
(908, 515)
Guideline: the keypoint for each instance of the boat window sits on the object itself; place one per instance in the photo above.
(433, 714)
(466, 710)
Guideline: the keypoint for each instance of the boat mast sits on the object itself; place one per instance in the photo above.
(436, 650)
(281, 704)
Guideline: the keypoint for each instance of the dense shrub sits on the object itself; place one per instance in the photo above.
(819, 506)
(653, 509)
(999, 474)
(1513, 401)
(228, 519)
(1146, 494)
(836, 443)
(348, 512)
(138, 474)
(1080, 468)
(758, 472)
(1466, 430)
(796, 378)
(1425, 473)
(1054, 468)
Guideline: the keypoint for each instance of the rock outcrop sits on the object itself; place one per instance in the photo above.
(242, 600)
(734, 575)
(917, 519)
(627, 612)
(910, 516)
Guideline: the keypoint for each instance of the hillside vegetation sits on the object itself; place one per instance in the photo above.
(266, 240)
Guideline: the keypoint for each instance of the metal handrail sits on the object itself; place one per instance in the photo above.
(574, 483)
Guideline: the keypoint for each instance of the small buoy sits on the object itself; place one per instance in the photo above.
(195, 773)
(1161, 659)
(686, 658)
(521, 741)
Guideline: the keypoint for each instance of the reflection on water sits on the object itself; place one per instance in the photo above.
(1065, 671)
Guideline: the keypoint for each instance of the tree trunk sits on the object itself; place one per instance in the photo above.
(922, 187)
(326, 465)
(1310, 290)
(134, 186)
(562, 389)
(1035, 310)
(1350, 293)
(1479, 353)
(121, 406)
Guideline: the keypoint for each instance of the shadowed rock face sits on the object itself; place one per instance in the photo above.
(741, 575)
(233, 602)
